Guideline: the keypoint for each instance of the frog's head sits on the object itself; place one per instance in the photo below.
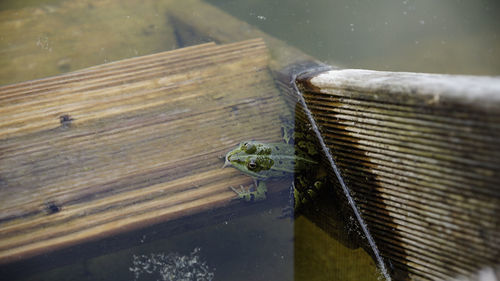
(252, 158)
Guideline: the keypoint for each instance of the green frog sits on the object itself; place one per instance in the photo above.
(296, 155)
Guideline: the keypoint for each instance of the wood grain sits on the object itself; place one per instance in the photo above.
(143, 146)
(421, 155)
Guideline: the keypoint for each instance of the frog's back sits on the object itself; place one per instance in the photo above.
(287, 158)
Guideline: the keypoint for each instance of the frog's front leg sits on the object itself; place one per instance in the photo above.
(255, 195)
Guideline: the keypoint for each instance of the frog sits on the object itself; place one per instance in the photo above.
(296, 155)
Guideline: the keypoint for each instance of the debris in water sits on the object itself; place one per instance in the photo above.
(172, 266)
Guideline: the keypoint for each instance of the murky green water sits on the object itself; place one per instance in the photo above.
(459, 37)
(425, 36)
(256, 246)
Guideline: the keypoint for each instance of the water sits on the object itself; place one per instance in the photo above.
(445, 37)
(345, 188)
(255, 245)
(458, 37)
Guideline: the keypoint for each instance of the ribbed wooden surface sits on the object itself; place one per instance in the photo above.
(143, 146)
(423, 162)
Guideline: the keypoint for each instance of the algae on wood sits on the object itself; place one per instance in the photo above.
(138, 143)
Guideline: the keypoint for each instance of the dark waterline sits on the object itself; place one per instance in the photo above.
(345, 189)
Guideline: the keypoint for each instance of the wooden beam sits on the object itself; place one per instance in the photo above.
(420, 153)
(128, 144)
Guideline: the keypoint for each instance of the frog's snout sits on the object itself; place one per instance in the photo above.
(226, 163)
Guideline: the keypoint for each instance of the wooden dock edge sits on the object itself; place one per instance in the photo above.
(421, 155)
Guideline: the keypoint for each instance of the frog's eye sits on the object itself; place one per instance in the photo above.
(249, 148)
(252, 165)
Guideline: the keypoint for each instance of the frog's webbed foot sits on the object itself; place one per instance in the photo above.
(250, 194)
(306, 196)
(242, 191)
(298, 199)
(287, 132)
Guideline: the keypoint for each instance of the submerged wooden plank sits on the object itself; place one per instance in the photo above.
(420, 153)
(56, 38)
(61, 36)
(212, 24)
(127, 144)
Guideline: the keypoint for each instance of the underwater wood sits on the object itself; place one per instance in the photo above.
(128, 144)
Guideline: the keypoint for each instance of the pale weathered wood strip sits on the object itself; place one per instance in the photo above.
(93, 93)
(143, 147)
(111, 209)
(78, 210)
(154, 136)
(50, 83)
(110, 71)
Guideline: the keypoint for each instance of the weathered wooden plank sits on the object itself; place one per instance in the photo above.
(142, 147)
(420, 153)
